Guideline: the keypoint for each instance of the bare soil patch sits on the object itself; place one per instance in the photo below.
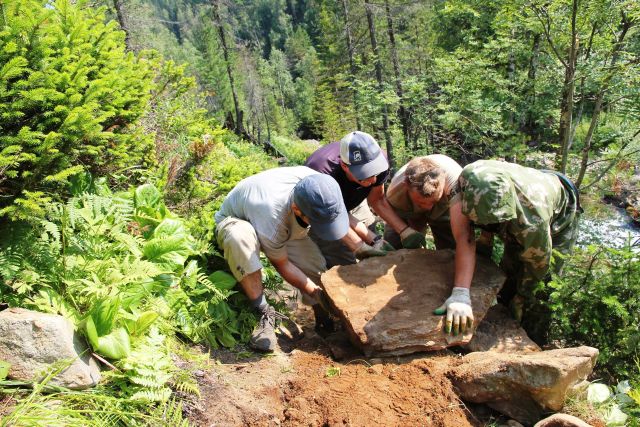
(302, 385)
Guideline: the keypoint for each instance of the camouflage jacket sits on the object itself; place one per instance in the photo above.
(531, 207)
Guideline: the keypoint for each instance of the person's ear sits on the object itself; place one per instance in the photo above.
(296, 210)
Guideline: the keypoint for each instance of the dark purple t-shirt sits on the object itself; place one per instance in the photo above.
(327, 160)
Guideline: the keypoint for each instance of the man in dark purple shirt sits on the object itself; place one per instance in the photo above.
(361, 168)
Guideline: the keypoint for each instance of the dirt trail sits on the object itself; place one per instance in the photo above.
(302, 385)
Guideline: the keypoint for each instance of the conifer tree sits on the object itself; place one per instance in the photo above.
(69, 94)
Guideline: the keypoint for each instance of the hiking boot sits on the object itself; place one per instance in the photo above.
(263, 337)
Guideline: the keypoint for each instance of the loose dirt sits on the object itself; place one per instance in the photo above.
(301, 384)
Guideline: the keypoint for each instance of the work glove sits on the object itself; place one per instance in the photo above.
(382, 245)
(458, 310)
(367, 251)
(412, 239)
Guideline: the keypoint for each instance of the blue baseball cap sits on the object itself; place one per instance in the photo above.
(319, 198)
(362, 155)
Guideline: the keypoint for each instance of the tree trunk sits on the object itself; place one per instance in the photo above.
(225, 50)
(378, 67)
(119, 7)
(402, 111)
(352, 64)
(597, 109)
(175, 24)
(566, 104)
(583, 95)
(529, 127)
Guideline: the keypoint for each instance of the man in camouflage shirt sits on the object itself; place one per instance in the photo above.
(533, 212)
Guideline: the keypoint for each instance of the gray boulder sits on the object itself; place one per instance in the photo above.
(526, 387)
(31, 342)
(386, 303)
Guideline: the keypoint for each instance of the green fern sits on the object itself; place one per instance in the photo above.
(153, 395)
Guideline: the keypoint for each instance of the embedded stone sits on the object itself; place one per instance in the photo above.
(34, 343)
(524, 386)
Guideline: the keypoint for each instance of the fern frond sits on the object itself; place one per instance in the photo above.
(184, 382)
(153, 395)
(154, 381)
(171, 414)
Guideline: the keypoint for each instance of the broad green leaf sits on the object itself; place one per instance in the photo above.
(598, 393)
(225, 338)
(143, 322)
(4, 369)
(148, 195)
(222, 280)
(116, 345)
(171, 252)
(170, 227)
(92, 334)
(104, 314)
(623, 387)
(615, 417)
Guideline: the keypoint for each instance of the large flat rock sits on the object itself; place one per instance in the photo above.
(386, 303)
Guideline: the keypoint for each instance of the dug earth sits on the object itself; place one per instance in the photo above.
(390, 364)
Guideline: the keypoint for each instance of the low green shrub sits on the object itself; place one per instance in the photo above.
(596, 302)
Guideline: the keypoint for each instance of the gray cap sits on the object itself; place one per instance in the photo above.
(319, 198)
(362, 154)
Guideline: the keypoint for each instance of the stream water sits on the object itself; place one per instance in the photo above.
(610, 226)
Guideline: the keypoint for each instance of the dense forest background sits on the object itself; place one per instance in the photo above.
(468, 78)
(124, 123)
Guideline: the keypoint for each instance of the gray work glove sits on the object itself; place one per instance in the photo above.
(382, 245)
(412, 239)
(459, 312)
(367, 251)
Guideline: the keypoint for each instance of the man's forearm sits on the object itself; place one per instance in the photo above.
(385, 211)
(295, 277)
(465, 246)
(465, 263)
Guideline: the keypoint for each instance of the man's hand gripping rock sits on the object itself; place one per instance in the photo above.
(458, 310)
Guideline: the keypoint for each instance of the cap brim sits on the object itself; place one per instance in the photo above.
(334, 230)
(373, 168)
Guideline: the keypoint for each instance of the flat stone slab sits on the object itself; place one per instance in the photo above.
(386, 303)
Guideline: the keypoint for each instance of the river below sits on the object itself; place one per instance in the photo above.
(607, 225)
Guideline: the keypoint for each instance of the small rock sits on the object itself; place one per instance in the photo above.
(32, 342)
(561, 420)
(376, 369)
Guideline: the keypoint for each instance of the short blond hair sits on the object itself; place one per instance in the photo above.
(424, 175)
